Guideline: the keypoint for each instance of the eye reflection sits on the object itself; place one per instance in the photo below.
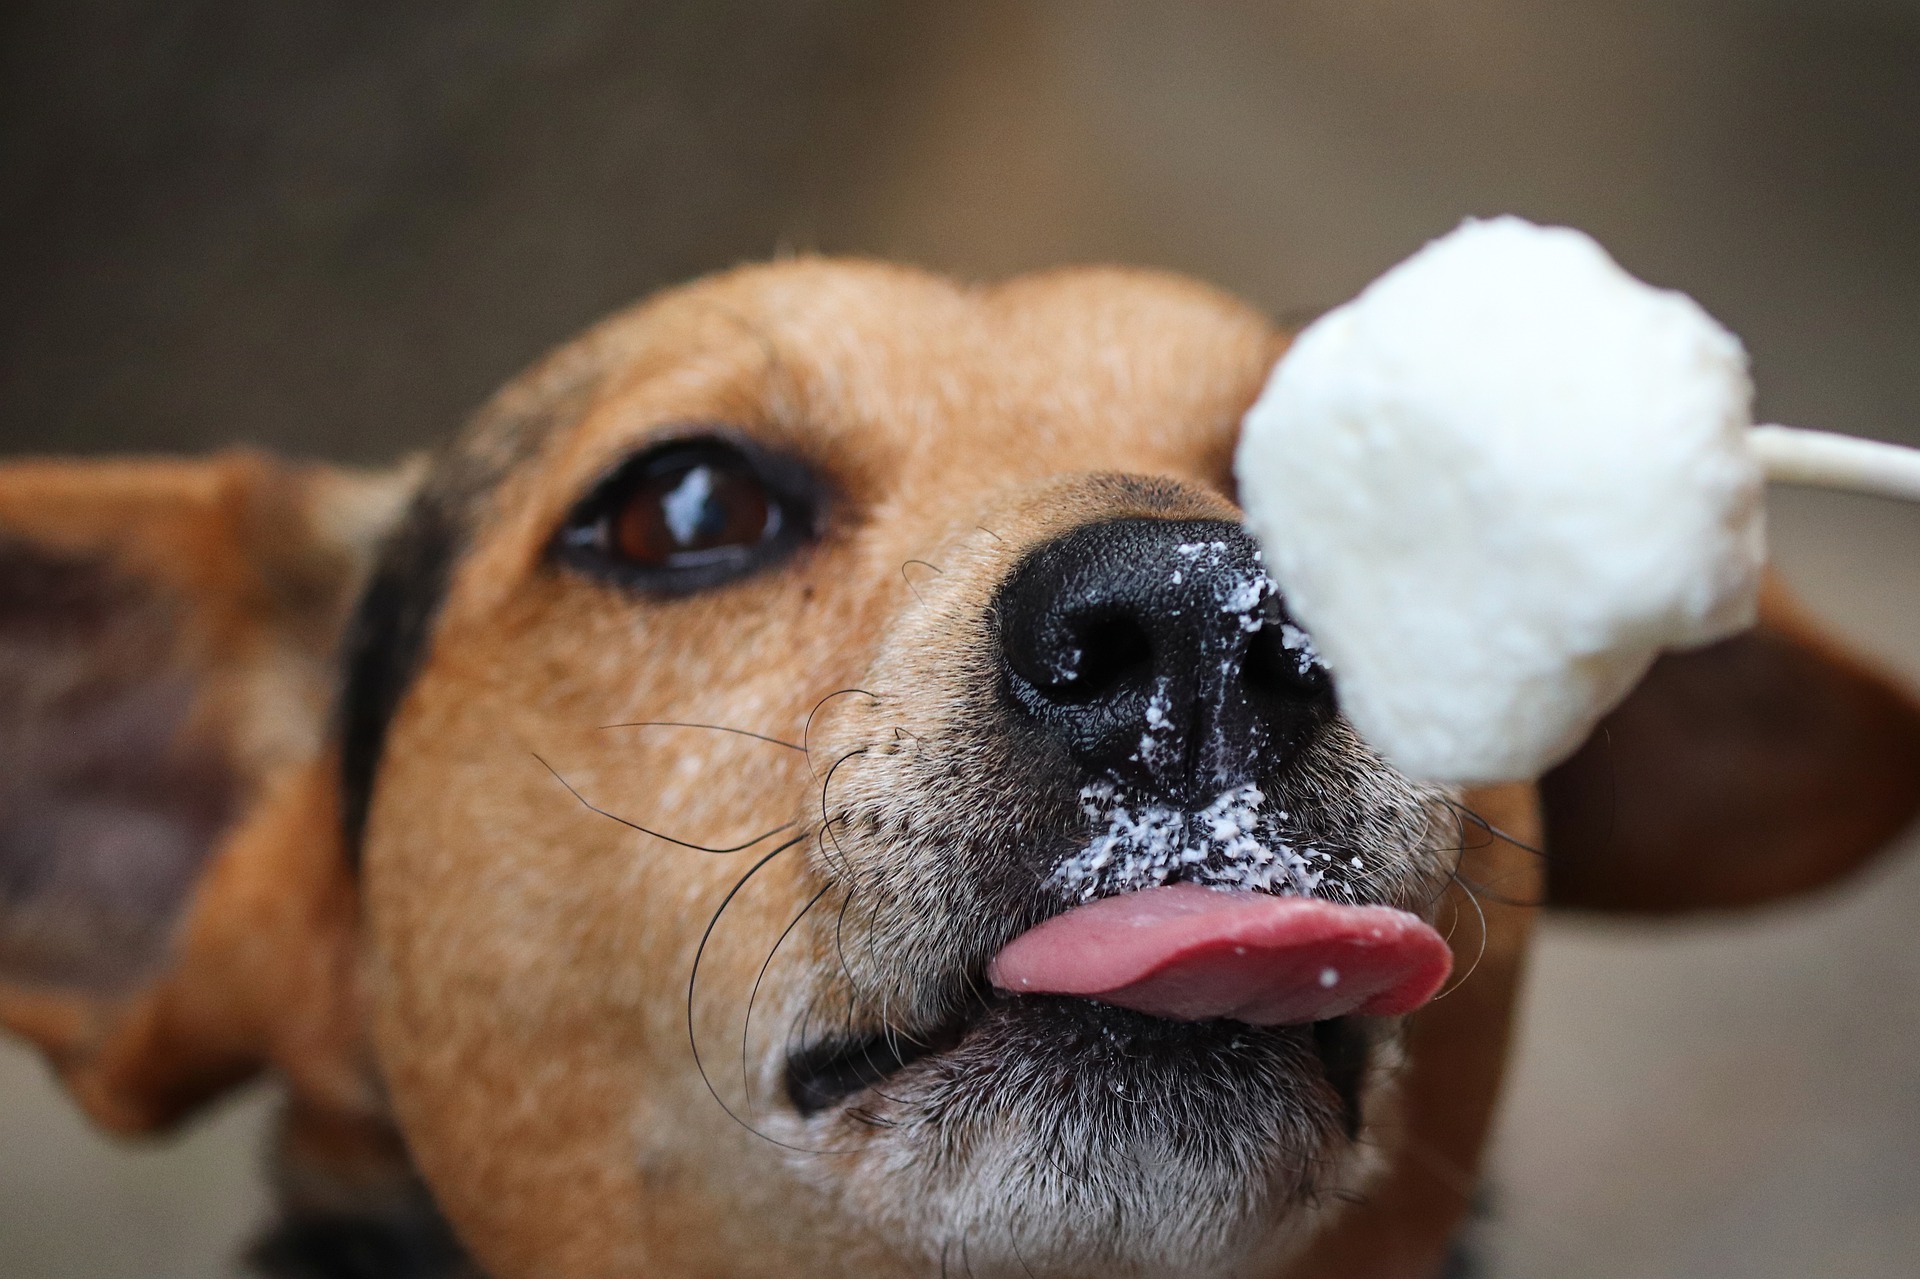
(687, 507)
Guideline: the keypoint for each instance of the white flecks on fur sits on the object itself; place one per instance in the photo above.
(1144, 844)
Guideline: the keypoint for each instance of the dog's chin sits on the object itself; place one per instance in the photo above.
(1051, 1135)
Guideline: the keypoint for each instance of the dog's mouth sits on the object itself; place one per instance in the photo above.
(836, 1072)
(1194, 958)
(831, 1071)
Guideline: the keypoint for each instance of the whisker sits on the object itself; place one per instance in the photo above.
(1496, 896)
(889, 1036)
(693, 978)
(909, 581)
(990, 533)
(716, 728)
(806, 733)
(1453, 904)
(1013, 1241)
(840, 949)
(861, 1115)
(1475, 966)
(826, 858)
(826, 823)
(887, 1028)
(754, 994)
(1487, 837)
(699, 848)
(1491, 829)
(1459, 849)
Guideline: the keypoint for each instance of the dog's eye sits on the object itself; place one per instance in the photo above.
(689, 514)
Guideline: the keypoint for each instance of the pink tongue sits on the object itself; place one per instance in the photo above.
(1193, 953)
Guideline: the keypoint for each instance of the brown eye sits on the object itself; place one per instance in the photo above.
(689, 514)
(691, 511)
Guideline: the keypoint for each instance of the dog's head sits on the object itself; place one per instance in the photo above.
(714, 710)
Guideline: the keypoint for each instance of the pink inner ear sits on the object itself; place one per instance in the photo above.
(109, 806)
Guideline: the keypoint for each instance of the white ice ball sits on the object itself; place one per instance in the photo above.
(1495, 485)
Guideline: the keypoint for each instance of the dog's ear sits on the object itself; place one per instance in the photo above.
(1766, 765)
(174, 908)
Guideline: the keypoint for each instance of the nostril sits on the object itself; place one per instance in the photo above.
(1109, 653)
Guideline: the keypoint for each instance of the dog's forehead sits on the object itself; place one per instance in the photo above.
(1073, 366)
(882, 333)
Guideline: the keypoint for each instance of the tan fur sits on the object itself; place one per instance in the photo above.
(509, 970)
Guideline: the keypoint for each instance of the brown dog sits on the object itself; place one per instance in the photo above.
(697, 748)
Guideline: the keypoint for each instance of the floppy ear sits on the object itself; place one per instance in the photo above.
(1766, 765)
(174, 909)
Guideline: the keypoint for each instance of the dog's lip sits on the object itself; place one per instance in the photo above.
(831, 1071)
(834, 1072)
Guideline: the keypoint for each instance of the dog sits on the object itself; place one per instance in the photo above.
(603, 829)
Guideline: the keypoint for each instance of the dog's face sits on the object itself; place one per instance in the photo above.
(746, 678)
(970, 558)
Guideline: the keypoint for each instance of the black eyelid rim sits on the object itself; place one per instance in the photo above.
(799, 496)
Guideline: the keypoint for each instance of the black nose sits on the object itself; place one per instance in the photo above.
(1159, 654)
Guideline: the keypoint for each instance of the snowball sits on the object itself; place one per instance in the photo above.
(1495, 485)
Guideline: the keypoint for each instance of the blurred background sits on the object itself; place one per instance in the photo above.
(331, 228)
